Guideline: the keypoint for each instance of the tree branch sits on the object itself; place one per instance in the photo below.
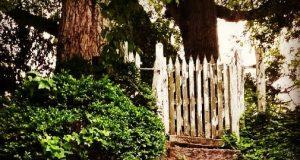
(268, 8)
(40, 23)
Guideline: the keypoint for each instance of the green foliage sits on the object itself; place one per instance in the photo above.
(111, 64)
(130, 22)
(77, 118)
(270, 135)
(265, 30)
(267, 136)
(22, 46)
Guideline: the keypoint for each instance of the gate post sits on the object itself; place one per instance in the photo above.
(160, 85)
(261, 80)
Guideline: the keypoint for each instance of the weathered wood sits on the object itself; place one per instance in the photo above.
(220, 99)
(196, 106)
(233, 98)
(138, 61)
(239, 87)
(160, 86)
(206, 142)
(213, 110)
(206, 100)
(186, 126)
(261, 81)
(178, 97)
(243, 90)
(192, 96)
(199, 99)
(126, 54)
(231, 94)
(171, 87)
(226, 96)
(131, 57)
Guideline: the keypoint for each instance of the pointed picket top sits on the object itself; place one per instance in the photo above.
(159, 51)
(177, 65)
(131, 57)
(219, 62)
(170, 65)
(125, 52)
(191, 63)
(206, 67)
(205, 64)
(198, 63)
(212, 60)
(138, 61)
(205, 60)
(184, 68)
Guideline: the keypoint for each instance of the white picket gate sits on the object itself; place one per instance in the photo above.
(197, 99)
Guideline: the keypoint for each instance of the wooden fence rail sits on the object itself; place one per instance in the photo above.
(197, 98)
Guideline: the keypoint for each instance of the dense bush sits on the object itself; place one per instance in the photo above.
(77, 118)
(272, 135)
(269, 135)
(126, 75)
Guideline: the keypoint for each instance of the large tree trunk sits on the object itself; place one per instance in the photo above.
(197, 21)
(79, 31)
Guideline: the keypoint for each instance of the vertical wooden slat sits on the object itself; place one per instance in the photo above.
(206, 100)
(242, 95)
(240, 87)
(131, 57)
(226, 96)
(261, 81)
(160, 85)
(165, 95)
(125, 52)
(185, 98)
(220, 99)
(178, 97)
(233, 96)
(239, 83)
(213, 98)
(243, 90)
(171, 90)
(236, 111)
(199, 99)
(138, 62)
(192, 96)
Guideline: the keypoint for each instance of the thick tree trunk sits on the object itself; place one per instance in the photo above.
(197, 21)
(79, 31)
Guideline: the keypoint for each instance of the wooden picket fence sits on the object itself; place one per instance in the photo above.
(197, 99)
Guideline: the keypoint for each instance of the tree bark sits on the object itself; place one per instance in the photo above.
(79, 30)
(197, 21)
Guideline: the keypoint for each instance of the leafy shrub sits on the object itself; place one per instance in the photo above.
(112, 65)
(77, 118)
(271, 135)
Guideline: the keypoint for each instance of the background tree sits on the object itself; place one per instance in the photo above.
(74, 32)
(77, 29)
(197, 19)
